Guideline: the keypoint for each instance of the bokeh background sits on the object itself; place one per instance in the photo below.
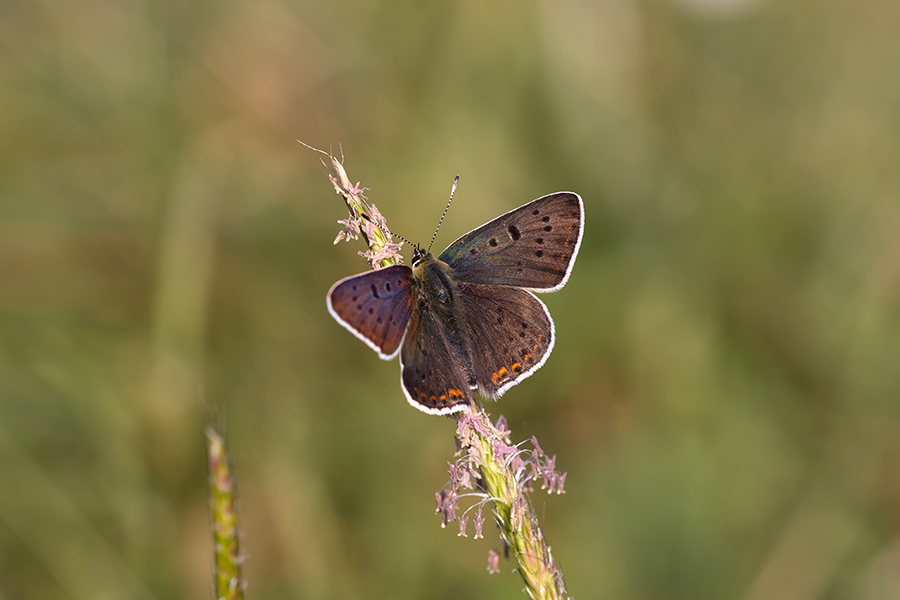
(725, 390)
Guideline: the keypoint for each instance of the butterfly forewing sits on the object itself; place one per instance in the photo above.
(510, 332)
(533, 246)
(431, 375)
(375, 306)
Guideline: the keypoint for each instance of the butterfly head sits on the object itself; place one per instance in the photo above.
(418, 256)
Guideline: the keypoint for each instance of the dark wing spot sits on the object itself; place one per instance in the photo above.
(548, 228)
(539, 253)
(545, 219)
(536, 212)
(492, 242)
(514, 232)
(375, 291)
(539, 240)
(387, 287)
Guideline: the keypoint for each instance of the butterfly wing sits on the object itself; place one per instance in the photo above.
(510, 332)
(375, 307)
(533, 246)
(431, 372)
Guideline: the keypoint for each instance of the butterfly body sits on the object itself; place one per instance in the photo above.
(436, 293)
(468, 321)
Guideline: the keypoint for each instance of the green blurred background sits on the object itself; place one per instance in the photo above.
(725, 390)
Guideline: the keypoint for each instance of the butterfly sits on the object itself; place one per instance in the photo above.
(467, 321)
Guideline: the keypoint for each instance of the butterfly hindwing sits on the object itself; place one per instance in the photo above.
(375, 306)
(431, 374)
(510, 331)
(533, 246)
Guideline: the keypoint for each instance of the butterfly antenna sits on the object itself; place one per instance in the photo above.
(452, 191)
(396, 235)
(409, 243)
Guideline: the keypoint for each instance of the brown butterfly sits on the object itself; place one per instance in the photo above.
(468, 321)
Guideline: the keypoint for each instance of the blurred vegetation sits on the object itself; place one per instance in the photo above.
(725, 390)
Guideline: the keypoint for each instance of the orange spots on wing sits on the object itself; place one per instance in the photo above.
(516, 366)
(451, 395)
(500, 374)
(527, 357)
